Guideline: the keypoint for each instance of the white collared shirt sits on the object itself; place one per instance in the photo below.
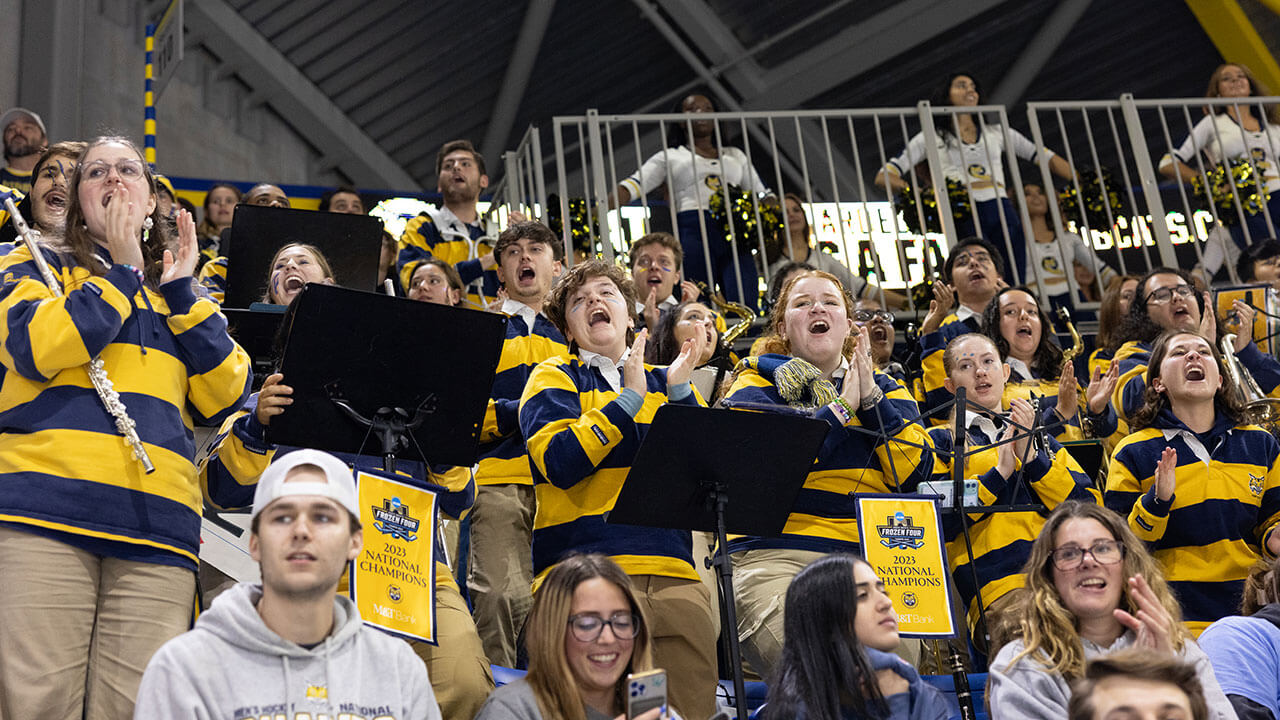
(986, 425)
(515, 307)
(1020, 368)
(668, 303)
(963, 312)
(612, 371)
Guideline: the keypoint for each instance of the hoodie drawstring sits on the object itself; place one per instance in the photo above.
(284, 659)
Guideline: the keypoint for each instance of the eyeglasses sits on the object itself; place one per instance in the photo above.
(647, 263)
(586, 628)
(964, 259)
(1104, 552)
(99, 170)
(866, 316)
(1164, 295)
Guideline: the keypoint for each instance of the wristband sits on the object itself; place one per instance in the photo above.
(842, 410)
(137, 273)
(870, 401)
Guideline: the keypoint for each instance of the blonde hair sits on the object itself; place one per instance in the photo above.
(1047, 627)
(550, 677)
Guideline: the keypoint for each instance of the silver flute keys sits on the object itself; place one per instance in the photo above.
(96, 369)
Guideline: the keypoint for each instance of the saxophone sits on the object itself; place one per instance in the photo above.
(1077, 343)
(96, 369)
(726, 308)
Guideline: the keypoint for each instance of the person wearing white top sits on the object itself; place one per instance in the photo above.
(974, 155)
(693, 173)
(1231, 133)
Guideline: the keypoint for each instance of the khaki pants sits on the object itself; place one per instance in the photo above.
(77, 629)
(456, 665)
(501, 572)
(760, 582)
(679, 614)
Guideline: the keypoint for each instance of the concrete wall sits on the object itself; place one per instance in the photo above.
(206, 123)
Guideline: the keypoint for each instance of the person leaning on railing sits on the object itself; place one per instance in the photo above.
(973, 155)
(1235, 132)
(697, 170)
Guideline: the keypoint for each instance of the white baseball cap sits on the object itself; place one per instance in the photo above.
(340, 485)
(14, 112)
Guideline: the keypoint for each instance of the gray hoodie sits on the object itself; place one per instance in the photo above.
(232, 667)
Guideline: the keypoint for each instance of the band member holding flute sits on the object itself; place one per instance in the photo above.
(97, 554)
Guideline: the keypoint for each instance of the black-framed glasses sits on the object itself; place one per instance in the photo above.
(587, 627)
(1164, 295)
(1104, 552)
(866, 316)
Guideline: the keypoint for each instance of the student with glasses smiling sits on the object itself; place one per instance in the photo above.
(1197, 481)
(586, 632)
(1092, 590)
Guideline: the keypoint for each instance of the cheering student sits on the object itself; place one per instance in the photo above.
(583, 418)
(1025, 471)
(528, 259)
(98, 558)
(818, 362)
(1197, 482)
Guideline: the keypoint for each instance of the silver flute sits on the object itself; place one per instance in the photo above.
(125, 425)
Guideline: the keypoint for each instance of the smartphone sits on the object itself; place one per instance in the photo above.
(646, 691)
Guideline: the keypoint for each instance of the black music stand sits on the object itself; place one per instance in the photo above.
(351, 243)
(256, 332)
(702, 469)
(418, 375)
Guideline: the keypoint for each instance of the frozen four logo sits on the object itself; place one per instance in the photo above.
(393, 519)
(900, 533)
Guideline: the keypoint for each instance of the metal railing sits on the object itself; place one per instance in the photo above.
(835, 160)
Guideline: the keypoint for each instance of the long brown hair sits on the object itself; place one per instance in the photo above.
(1256, 88)
(321, 261)
(1109, 337)
(776, 342)
(1047, 626)
(207, 228)
(1224, 400)
(550, 677)
(83, 246)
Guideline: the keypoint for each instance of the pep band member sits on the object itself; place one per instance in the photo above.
(1197, 482)
(97, 557)
(1022, 333)
(583, 418)
(819, 362)
(1092, 590)
(1012, 473)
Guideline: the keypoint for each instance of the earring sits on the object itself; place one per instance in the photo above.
(148, 223)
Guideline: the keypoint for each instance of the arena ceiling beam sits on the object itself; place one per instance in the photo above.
(1039, 49)
(516, 78)
(1231, 31)
(860, 48)
(718, 43)
(304, 106)
(705, 27)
